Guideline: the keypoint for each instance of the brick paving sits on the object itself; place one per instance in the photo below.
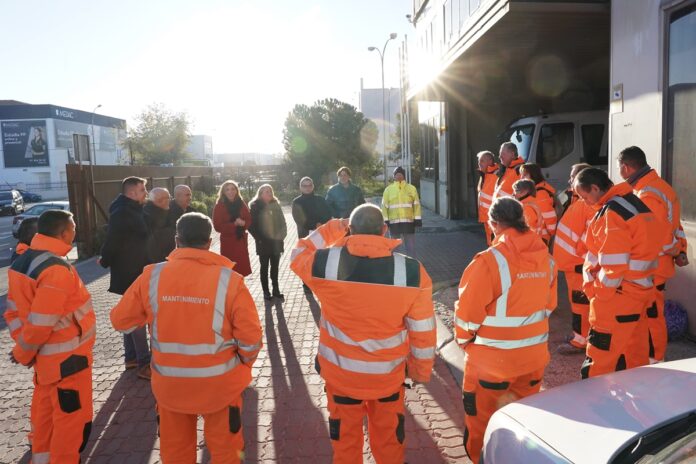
(285, 417)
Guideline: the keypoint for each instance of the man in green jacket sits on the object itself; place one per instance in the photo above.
(344, 197)
(402, 211)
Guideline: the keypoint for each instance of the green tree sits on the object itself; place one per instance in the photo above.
(160, 137)
(318, 139)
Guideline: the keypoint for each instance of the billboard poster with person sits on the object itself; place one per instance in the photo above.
(24, 143)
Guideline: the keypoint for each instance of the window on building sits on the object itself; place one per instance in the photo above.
(681, 108)
(522, 137)
(556, 141)
(592, 137)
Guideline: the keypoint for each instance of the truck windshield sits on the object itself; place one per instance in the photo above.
(522, 137)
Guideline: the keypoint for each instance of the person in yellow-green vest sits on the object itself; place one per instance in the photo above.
(402, 211)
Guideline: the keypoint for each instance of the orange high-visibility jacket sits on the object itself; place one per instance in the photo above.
(486, 187)
(662, 200)
(377, 316)
(621, 246)
(533, 215)
(49, 312)
(569, 247)
(511, 174)
(506, 296)
(204, 328)
(545, 198)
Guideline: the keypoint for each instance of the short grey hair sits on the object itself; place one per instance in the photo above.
(366, 219)
(510, 147)
(486, 154)
(306, 179)
(525, 185)
(181, 187)
(508, 212)
(157, 191)
(193, 230)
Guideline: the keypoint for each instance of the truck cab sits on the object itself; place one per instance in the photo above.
(557, 141)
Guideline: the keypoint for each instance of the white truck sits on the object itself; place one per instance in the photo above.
(557, 141)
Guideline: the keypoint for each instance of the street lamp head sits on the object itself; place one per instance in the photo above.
(99, 106)
(371, 49)
(393, 35)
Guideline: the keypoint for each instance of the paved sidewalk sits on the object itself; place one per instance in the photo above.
(285, 418)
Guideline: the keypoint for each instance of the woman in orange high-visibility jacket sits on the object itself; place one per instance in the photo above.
(506, 296)
(508, 172)
(569, 251)
(618, 273)
(50, 317)
(545, 198)
(662, 200)
(205, 335)
(525, 193)
(485, 188)
(377, 326)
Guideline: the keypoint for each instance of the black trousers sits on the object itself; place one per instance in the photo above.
(264, 261)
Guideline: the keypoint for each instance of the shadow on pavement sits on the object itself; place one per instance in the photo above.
(296, 420)
(313, 306)
(126, 424)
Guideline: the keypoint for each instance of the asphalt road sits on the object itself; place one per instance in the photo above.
(7, 241)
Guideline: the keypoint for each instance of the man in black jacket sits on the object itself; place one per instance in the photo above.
(181, 204)
(309, 210)
(125, 253)
(160, 240)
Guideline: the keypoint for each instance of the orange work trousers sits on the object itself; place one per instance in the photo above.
(618, 337)
(385, 427)
(580, 309)
(483, 395)
(222, 431)
(657, 325)
(61, 419)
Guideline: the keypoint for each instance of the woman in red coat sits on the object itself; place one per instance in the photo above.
(232, 219)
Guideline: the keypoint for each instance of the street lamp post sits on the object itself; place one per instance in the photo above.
(392, 36)
(94, 144)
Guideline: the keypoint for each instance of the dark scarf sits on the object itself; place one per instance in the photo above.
(233, 209)
(639, 174)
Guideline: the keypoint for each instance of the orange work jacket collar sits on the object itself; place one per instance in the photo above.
(624, 188)
(545, 185)
(21, 248)
(201, 256)
(491, 169)
(45, 243)
(369, 246)
(515, 162)
(643, 181)
(520, 242)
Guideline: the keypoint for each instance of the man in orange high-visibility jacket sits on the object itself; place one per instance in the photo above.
(545, 198)
(569, 251)
(618, 273)
(506, 296)
(486, 187)
(205, 334)
(50, 316)
(662, 200)
(377, 326)
(525, 193)
(509, 171)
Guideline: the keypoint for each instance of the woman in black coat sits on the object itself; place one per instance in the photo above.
(269, 230)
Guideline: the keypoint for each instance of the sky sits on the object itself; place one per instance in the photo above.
(236, 67)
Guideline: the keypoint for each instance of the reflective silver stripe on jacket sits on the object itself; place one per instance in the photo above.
(420, 325)
(11, 304)
(316, 238)
(355, 365)
(470, 326)
(486, 196)
(623, 202)
(41, 458)
(43, 320)
(26, 346)
(566, 230)
(663, 197)
(642, 265)
(516, 321)
(591, 258)
(606, 281)
(14, 324)
(334, 259)
(399, 270)
(400, 205)
(370, 345)
(39, 260)
(423, 353)
(511, 344)
(679, 233)
(505, 283)
(549, 214)
(197, 372)
(646, 282)
(67, 346)
(219, 345)
(565, 245)
(77, 315)
(613, 259)
(249, 348)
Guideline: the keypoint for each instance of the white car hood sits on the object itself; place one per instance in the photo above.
(589, 420)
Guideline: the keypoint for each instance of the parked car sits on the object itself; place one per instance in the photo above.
(11, 202)
(30, 197)
(35, 211)
(557, 141)
(643, 415)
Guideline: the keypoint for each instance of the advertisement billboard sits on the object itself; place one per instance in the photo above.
(24, 143)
